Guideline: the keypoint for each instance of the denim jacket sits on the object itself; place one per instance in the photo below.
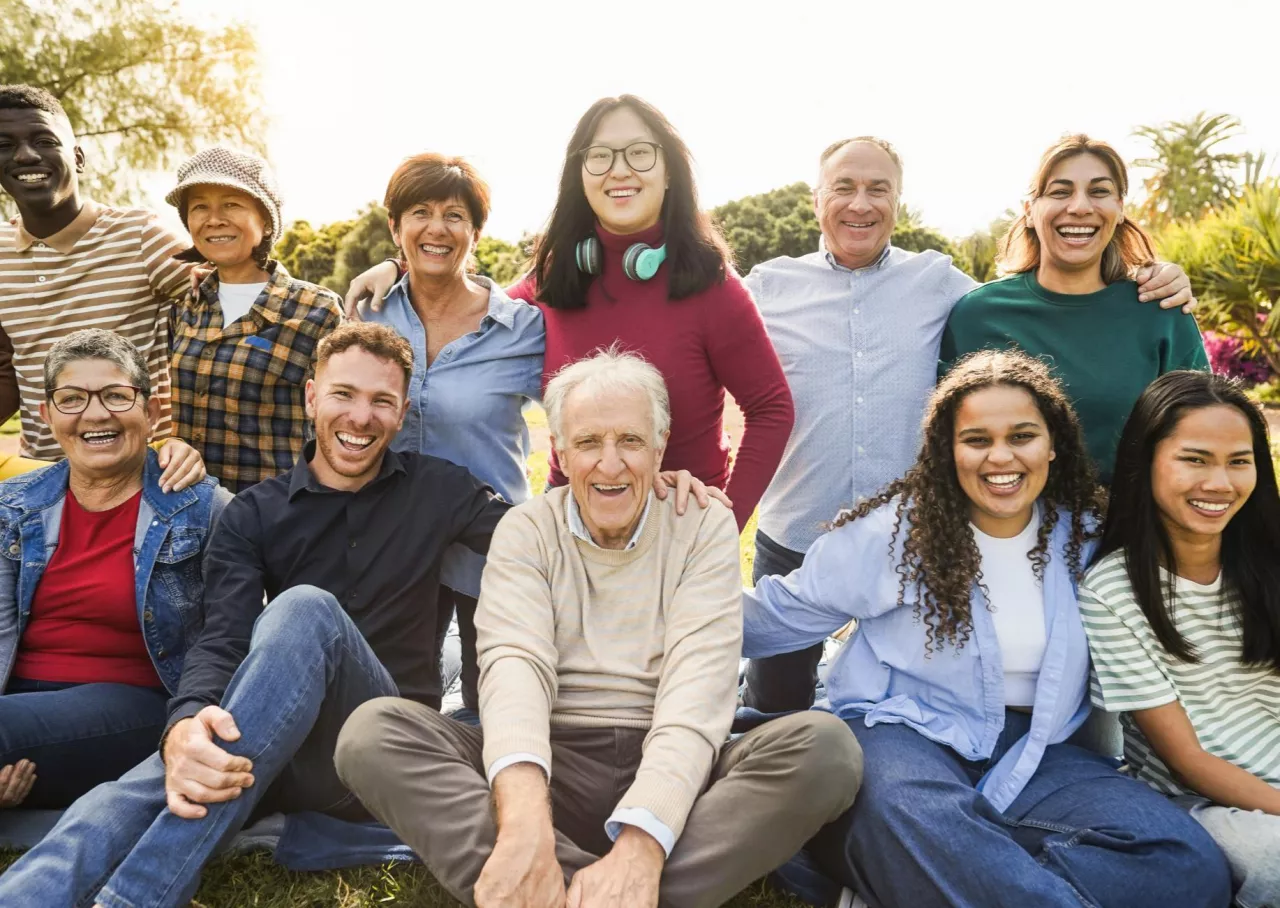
(881, 675)
(168, 548)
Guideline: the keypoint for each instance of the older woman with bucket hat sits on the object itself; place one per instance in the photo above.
(242, 343)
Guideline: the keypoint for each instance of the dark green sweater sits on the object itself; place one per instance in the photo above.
(1104, 347)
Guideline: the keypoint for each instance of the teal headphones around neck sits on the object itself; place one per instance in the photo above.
(640, 262)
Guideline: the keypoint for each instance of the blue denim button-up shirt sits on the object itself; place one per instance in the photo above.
(168, 549)
(466, 406)
(954, 697)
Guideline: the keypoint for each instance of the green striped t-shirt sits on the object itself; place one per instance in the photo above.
(1234, 708)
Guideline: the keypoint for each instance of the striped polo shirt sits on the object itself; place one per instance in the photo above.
(1234, 708)
(109, 268)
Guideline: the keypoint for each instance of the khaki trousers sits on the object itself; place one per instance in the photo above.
(421, 773)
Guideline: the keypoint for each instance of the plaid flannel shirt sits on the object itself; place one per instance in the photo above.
(238, 389)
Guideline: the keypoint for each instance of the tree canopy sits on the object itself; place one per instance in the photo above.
(142, 85)
(1190, 175)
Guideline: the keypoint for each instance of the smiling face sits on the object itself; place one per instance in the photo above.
(1002, 454)
(226, 224)
(39, 162)
(611, 458)
(1203, 472)
(437, 238)
(1077, 214)
(98, 442)
(357, 401)
(625, 202)
(857, 203)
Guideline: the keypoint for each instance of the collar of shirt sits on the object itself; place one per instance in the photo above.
(831, 259)
(574, 516)
(301, 479)
(66, 238)
(502, 308)
(279, 286)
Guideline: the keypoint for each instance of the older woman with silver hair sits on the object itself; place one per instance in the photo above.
(100, 581)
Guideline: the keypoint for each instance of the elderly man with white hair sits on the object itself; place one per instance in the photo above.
(609, 628)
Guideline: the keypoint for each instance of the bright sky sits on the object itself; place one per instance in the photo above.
(970, 93)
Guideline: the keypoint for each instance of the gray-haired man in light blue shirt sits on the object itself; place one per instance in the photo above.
(857, 326)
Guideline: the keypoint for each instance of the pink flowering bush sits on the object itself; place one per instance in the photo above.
(1226, 357)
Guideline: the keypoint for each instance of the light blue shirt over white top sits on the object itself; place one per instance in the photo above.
(881, 675)
(859, 348)
(466, 407)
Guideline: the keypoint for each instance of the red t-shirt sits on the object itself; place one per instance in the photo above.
(84, 618)
(705, 345)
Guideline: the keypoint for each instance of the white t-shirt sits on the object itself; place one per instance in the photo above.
(237, 299)
(1017, 605)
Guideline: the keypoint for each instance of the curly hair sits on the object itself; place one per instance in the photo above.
(939, 554)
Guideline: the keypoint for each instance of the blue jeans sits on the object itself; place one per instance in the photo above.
(785, 682)
(307, 670)
(77, 735)
(1080, 833)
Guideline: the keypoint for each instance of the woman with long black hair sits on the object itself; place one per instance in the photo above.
(629, 256)
(1182, 609)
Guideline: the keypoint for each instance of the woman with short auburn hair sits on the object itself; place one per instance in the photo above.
(1069, 296)
(477, 357)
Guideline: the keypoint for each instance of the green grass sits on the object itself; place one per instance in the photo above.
(255, 881)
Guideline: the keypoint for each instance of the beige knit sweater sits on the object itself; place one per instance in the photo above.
(649, 638)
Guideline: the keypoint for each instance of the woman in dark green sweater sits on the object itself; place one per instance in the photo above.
(1069, 298)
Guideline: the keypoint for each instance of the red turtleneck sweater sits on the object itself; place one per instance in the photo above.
(703, 345)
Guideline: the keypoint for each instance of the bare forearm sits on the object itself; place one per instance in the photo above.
(521, 799)
(1225, 783)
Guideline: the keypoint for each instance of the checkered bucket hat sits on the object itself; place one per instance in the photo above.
(221, 166)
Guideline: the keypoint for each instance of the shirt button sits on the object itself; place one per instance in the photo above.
(859, 400)
(208, 351)
(146, 616)
(352, 543)
(861, 450)
(198, 436)
(859, 354)
(856, 310)
(42, 279)
(15, 549)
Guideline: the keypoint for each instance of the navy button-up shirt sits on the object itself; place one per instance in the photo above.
(377, 550)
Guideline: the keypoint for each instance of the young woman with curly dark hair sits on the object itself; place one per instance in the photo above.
(968, 671)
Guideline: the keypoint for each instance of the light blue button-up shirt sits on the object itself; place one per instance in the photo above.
(881, 675)
(466, 406)
(860, 352)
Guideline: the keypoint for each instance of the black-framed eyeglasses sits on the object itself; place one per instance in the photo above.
(598, 160)
(116, 398)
